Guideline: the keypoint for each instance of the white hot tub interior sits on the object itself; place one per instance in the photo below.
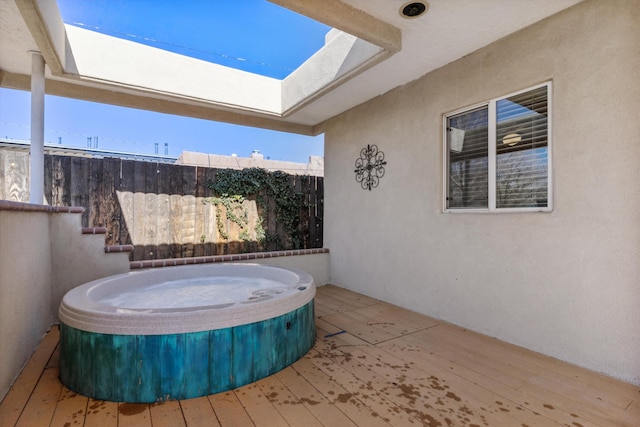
(214, 292)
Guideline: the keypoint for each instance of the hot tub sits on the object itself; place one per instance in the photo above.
(182, 332)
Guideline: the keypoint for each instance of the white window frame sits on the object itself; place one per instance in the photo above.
(492, 155)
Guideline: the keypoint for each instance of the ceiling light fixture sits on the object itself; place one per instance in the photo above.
(413, 9)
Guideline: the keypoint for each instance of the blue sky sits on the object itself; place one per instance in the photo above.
(253, 35)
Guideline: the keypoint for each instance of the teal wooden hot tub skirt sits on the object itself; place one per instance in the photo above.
(153, 368)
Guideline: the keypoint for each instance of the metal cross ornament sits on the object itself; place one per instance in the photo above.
(370, 167)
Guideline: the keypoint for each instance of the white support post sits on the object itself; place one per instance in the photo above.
(36, 162)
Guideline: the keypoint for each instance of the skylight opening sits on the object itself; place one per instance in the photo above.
(269, 40)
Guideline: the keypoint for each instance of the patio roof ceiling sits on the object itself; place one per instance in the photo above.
(373, 50)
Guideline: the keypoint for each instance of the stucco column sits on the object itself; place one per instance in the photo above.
(36, 163)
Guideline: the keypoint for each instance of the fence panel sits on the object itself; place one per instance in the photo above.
(160, 208)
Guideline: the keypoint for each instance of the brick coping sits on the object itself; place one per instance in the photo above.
(7, 205)
(109, 249)
(94, 230)
(171, 262)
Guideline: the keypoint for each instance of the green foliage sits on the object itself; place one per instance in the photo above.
(243, 182)
(231, 205)
(260, 232)
(273, 193)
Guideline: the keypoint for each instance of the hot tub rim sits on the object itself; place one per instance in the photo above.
(93, 317)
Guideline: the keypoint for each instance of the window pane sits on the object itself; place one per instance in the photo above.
(522, 150)
(467, 141)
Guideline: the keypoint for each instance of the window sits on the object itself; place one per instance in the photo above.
(497, 154)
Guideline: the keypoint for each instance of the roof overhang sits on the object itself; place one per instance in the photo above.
(353, 65)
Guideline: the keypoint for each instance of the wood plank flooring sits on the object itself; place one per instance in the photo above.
(373, 364)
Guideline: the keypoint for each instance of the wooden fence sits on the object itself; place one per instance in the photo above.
(160, 208)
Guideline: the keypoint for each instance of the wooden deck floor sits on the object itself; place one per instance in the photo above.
(390, 367)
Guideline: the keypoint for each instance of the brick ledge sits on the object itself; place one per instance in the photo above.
(118, 248)
(94, 230)
(172, 262)
(7, 205)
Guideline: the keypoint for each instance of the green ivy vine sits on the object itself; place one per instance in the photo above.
(231, 205)
(273, 193)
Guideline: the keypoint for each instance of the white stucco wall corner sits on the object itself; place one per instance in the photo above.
(563, 283)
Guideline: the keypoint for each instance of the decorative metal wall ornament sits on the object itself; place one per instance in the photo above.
(369, 167)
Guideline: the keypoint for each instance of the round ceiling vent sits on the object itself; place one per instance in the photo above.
(413, 9)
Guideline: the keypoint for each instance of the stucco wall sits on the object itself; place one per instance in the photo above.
(77, 259)
(565, 283)
(42, 255)
(25, 294)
